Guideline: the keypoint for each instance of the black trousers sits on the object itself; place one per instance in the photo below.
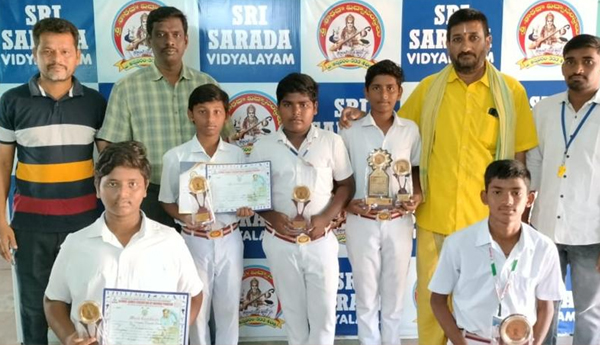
(34, 259)
(153, 210)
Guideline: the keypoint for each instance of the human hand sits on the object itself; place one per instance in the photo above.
(350, 114)
(411, 205)
(358, 207)
(244, 212)
(8, 243)
(318, 223)
(75, 339)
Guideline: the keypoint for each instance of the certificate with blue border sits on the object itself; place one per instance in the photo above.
(135, 317)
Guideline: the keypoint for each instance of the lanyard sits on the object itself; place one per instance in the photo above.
(564, 127)
(499, 294)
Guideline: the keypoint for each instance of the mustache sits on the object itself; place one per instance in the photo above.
(466, 54)
(56, 64)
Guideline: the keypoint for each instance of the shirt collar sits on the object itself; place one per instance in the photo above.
(156, 75)
(196, 147)
(565, 98)
(36, 89)
(369, 121)
(485, 238)
(310, 136)
(484, 79)
(99, 229)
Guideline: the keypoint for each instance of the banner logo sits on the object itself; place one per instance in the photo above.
(253, 114)
(259, 305)
(130, 36)
(543, 31)
(350, 36)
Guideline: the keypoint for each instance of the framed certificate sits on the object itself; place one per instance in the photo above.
(229, 186)
(136, 317)
(240, 185)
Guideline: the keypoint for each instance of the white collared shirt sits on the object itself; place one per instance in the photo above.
(567, 208)
(322, 158)
(155, 259)
(464, 270)
(402, 141)
(192, 151)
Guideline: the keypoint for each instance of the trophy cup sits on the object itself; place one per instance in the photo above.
(378, 183)
(402, 171)
(199, 191)
(515, 329)
(301, 197)
(90, 317)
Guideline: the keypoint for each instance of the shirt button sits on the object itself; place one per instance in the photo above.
(558, 217)
(568, 156)
(565, 176)
(562, 196)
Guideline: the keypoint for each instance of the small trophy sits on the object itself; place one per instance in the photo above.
(402, 170)
(378, 183)
(515, 329)
(199, 191)
(90, 317)
(301, 197)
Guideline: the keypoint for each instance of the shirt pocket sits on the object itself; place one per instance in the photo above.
(488, 131)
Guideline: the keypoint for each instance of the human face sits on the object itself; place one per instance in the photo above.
(507, 199)
(251, 112)
(122, 192)
(209, 118)
(581, 70)
(383, 94)
(468, 47)
(57, 56)
(297, 112)
(168, 42)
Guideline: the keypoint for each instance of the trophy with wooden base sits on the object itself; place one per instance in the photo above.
(301, 197)
(515, 329)
(378, 196)
(402, 173)
(203, 214)
(90, 319)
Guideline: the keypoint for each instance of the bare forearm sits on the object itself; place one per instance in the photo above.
(343, 194)
(545, 312)
(441, 311)
(102, 144)
(57, 314)
(7, 156)
(172, 210)
(521, 157)
(416, 181)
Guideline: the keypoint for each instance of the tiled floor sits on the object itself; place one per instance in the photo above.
(8, 334)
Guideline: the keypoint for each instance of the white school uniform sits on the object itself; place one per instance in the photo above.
(379, 251)
(219, 261)
(306, 276)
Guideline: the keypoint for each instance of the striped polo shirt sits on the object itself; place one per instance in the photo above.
(55, 142)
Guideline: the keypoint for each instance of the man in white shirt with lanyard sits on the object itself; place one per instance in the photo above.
(565, 170)
(497, 267)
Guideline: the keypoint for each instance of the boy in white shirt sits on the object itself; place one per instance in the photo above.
(306, 163)
(497, 267)
(123, 249)
(219, 260)
(379, 243)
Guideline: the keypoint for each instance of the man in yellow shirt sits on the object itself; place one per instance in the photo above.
(469, 114)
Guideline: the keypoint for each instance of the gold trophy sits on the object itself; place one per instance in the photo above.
(301, 197)
(90, 317)
(515, 329)
(199, 191)
(378, 195)
(402, 169)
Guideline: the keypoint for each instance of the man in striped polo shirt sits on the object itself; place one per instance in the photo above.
(52, 122)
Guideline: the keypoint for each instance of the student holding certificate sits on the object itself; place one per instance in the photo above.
(306, 163)
(214, 240)
(123, 249)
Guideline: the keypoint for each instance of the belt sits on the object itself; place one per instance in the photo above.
(381, 215)
(301, 239)
(211, 234)
(472, 337)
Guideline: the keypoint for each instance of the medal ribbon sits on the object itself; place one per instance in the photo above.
(499, 294)
(569, 141)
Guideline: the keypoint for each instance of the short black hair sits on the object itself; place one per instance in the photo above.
(55, 26)
(467, 15)
(582, 41)
(129, 154)
(384, 67)
(507, 169)
(162, 13)
(208, 93)
(300, 83)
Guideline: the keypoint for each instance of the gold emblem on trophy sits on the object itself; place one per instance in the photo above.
(90, 317)
(199, 190)
(301, 197)
(515, 329)
(378, 185)
(402, 170)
